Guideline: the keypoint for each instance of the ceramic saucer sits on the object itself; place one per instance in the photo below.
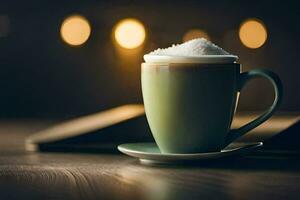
(149, 152)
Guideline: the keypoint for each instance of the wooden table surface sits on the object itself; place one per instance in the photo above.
(34, 175)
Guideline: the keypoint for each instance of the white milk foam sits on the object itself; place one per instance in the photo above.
(195, 47)
(197, 50)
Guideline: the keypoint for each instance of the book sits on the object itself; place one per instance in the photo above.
(98, 132)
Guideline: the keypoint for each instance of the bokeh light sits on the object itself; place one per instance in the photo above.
(129, 33)
(4, 25)
(253, 33)
(75, 30)
(195, 33)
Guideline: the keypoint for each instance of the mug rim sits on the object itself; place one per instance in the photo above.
(190, 59)
(182, 66)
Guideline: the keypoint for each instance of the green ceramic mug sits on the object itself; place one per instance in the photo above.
(190, 106)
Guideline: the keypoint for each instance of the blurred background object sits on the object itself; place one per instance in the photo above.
(75, 30)
(253, 33)
(64, 59)
(129, 33)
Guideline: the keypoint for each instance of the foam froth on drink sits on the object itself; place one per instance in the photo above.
(195, 47)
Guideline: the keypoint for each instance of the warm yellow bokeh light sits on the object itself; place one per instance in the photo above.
(75, 30)
(130, 33)
(253, 33)
(195, 33)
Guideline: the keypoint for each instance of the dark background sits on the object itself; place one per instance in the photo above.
(42, 76)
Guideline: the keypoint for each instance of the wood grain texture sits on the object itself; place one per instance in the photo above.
(32, 175)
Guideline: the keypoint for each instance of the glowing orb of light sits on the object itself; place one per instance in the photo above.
(253, 33)
(195, 33)
(75, 30)
(129, 33)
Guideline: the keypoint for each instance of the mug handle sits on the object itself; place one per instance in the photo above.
(277, 85)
